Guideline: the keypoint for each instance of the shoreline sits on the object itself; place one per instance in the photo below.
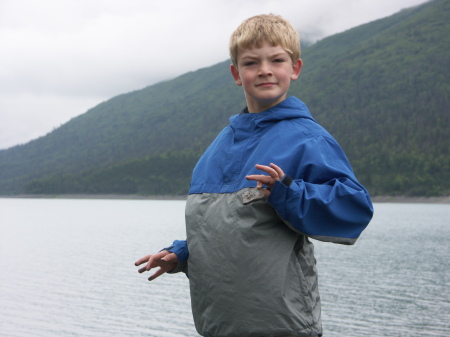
(95, 196)
(411, 200)
(375, 199)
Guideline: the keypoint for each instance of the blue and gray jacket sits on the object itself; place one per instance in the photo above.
(251, 265)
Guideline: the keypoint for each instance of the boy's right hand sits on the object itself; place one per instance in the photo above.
(166, 261)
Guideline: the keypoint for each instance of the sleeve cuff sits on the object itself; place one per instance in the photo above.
(180, 249)
(181, 267)
(286, 180)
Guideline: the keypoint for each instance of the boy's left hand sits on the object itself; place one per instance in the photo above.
(274, 173)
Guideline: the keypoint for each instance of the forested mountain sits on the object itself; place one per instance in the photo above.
(381, 89)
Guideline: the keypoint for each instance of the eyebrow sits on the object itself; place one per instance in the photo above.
(254, 56)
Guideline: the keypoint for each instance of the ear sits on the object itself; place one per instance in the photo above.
(235, 74)
(296, 68)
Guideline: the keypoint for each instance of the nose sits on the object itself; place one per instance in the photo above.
(265, 69)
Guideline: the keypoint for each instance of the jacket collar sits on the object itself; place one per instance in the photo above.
(290, 108)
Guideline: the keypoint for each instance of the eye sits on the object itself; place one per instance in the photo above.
(279, 60)
(249, 63)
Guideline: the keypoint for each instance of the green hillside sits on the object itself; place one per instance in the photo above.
(387, 99)
(381, 89)
(182, 115)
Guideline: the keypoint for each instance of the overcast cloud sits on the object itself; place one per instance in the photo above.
(58, 58)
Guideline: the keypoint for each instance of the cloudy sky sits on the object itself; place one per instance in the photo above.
(58, 58)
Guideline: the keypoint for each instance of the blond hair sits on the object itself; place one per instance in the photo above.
(269, 28)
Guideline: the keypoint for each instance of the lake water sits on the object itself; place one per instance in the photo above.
(67, 269)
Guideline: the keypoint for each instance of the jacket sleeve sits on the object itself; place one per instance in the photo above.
(323, 200)
(180, 248)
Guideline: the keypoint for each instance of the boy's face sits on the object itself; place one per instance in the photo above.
(265, 73)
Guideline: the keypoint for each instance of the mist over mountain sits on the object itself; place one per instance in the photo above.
(381, 89)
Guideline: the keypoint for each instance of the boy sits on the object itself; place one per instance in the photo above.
(251, 265)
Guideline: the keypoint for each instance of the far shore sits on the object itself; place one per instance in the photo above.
(375, 199)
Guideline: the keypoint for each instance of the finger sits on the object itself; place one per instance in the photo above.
(155, 259)
(278, 170)
(158, 273)
(170, 258)
(261, 180)
(258, 177)
(152, 262)
(142, 260)
(272, 172)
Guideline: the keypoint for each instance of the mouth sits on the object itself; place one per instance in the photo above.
(265, 84)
